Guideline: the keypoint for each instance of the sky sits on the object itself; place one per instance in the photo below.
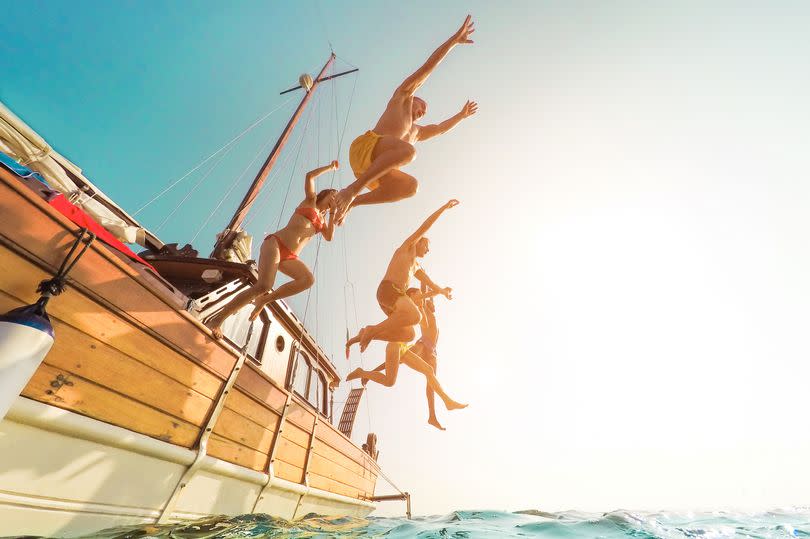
(629, 260)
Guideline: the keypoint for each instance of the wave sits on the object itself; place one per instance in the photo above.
(792, 522)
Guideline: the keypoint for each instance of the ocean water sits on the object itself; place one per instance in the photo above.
(785, 523)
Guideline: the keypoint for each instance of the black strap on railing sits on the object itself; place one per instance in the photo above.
(56, 285)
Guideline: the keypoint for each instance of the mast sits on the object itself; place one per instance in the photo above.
(229, 234)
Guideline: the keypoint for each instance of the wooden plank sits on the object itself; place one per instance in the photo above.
(291, 453)
(254, 384)
(77, 311)
(335, 439)
(296, 434)
(330, 470)
(240, 429)
(105, 366)
(66, 390)
(230, 451)
(248, 407)
(45, 235)
(300, 415)
(329, 485)
(289, 472)
(328, 452)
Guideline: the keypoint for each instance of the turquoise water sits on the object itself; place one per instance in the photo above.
(786, 523)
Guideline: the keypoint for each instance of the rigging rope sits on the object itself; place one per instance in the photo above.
(289, 184)
(204, 161)
(272, 181)
(261, 151)
(193, 189)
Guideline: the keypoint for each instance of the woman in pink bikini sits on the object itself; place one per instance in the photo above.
(279, 252)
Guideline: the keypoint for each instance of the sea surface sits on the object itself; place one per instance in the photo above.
(785, 523)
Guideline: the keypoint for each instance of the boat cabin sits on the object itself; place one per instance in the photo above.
(276, 342)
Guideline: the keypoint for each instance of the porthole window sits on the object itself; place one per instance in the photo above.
(280, 343)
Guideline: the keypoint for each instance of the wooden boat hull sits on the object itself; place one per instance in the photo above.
(112, 419)
(73, 475)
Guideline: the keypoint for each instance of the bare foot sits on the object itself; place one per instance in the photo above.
(343, 203)
(216, 331)
(453, 405)
(435, 422)
(355, 374)
(354, 340)
(257, 310)
(365, 336)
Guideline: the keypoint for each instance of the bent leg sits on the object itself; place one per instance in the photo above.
(405, 315)
(394, 186)
(389, 153)
(430, 359)
(302, 279)
(406, 334)
(387, 378)
(269, 257)
(416, 363)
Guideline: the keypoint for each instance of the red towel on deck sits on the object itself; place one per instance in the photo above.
(76, 215)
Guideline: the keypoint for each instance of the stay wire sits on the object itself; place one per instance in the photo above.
(296, 150)
(272, 181)
(193, 189)
(204, 161)
(261, 151)
(289, 183)
(319, 11)
(349, 285)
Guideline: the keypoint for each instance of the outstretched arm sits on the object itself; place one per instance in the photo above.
(423, 278)
(429, 131)
(422, 230)
(418, 78)
(309, 181)
(427, 295)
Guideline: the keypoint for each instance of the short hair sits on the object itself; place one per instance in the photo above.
(323, 194)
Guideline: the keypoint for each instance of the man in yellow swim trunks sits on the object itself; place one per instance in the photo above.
(377, 155)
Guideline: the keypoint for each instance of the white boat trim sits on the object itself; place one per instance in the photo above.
(49, 418)
(202, 450)
(53, 504)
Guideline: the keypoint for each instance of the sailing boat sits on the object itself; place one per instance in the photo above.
(136, 415)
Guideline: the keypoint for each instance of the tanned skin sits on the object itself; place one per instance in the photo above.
(430, 331)
(399, 131)
(398, 327)
(295, 236)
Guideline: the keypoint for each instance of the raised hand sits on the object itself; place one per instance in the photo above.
(451, 203)
(462, 36)
(335, 165)
(469, 108)
(447, 292)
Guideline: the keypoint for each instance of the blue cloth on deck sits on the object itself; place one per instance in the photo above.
(18, 169)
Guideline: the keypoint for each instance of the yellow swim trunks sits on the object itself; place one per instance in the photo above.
(360, 155)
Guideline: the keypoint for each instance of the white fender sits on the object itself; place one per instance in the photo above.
(26, 336)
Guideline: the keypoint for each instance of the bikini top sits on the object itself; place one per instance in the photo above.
(313, 216)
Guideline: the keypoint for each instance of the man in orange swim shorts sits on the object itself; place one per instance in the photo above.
(377, 155)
